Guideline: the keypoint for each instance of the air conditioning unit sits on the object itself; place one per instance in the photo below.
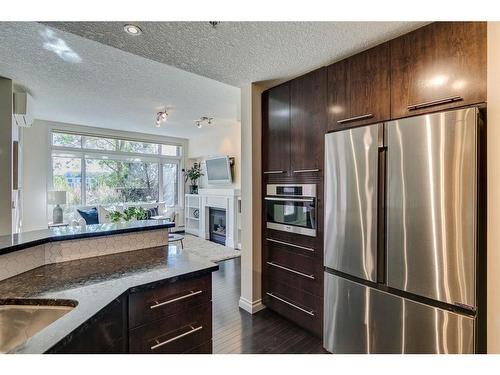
(23, 109)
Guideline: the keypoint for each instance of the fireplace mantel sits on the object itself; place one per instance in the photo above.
(226, 199)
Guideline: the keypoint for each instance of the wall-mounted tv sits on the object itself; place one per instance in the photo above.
(219, 170)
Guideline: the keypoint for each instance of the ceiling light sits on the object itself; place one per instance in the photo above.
(214, 23)
(161, 117)
(203, 119)
(132, 29)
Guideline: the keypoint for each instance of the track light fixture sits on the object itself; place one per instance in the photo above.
(161, 117)
(204, 119)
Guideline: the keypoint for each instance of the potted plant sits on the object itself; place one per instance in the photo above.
(193, 174)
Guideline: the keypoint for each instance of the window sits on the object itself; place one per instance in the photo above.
(103, 170)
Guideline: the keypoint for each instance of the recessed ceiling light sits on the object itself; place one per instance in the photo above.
(132, 29)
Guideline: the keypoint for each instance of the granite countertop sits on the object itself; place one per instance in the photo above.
(93, 283)
(19, 241)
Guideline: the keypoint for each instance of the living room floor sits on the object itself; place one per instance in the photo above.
(236, 331)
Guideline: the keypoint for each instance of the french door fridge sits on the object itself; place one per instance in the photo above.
(401, 236)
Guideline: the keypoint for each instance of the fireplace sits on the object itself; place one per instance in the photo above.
(217, 222)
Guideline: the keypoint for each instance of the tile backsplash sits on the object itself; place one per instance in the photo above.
(54, 252)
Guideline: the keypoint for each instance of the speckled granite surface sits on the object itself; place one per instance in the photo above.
(94, 283)
(24, 240)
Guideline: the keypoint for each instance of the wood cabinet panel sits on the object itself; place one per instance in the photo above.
(308, 122)
(175, 334)
(276, 130)
(169, 299)
(439, 61)
(369, 85)
(359, 89)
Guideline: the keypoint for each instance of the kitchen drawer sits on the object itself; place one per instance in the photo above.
(148, 306)
(275, 274)
(296, 305)
(175, 334)
(309, 249)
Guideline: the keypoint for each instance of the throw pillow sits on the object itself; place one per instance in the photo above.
(90, 216)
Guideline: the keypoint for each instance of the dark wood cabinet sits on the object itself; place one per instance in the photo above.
(172, 317)
(308, 123)
(439, 66)
(276, 131)
(359, 89)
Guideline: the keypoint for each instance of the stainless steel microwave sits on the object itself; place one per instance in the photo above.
(291, 208)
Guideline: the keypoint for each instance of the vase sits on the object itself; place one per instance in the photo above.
(193, 189)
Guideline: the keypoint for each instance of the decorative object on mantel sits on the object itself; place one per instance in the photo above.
(57, 198)
(161, 117)
(196, 213)
(193, 174)
(199, 123)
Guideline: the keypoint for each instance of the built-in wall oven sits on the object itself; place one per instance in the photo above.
(291, 208)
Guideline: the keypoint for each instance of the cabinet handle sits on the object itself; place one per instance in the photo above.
(291, 244)
(274, 172)
(356, 118)
(309, 312)
(451, 99)
(291, 270)
(190, 332)
(306, 170)
(189, 295)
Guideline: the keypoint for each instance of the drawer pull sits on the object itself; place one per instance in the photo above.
(306, 170)
(291, 244)
(309, 312)
(355, 118)
(189, 295)
(190, 332)
(291, 270)
(274, 172)
(451, 99)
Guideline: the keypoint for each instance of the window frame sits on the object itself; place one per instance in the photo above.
(84, 153)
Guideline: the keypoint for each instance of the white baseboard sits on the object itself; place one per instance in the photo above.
(251, 307)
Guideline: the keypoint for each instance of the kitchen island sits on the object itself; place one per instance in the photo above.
(146, 300)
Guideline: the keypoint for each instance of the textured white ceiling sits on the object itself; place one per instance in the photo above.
(241, 52)
(77, 80)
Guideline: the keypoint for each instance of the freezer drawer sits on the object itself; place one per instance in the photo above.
(351, 186)
(360, 319)
(431, 205)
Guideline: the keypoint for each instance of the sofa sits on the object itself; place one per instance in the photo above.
(103, 211)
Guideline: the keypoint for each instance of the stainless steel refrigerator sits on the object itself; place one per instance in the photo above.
(401, 223)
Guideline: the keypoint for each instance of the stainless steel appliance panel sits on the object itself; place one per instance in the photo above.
(431, 205)
(351, 184)
(360, 319)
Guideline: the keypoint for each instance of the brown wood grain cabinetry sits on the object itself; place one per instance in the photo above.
(443, 61)
(308, 122)
(359, 89)
(276, 131)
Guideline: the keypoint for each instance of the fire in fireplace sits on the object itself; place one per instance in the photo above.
(217, 224)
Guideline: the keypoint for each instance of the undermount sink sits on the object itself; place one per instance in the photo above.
(21, 319)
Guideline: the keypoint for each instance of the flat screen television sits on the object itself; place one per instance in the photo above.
(219, 170)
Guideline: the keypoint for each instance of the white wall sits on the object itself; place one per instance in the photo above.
(493, 186)
(36, 166)
(5, 155)
(217, 141)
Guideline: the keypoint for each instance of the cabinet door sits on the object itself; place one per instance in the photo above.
(439, 66)
(276, 130)
(308, 123)
(369, 86)
(359, 89)
(338, 103)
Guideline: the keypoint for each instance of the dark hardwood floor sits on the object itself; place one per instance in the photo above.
(236, 331)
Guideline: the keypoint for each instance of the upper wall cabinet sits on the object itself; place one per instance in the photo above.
(276, 130)
(439, 66)
(359, 89)
(308, 122)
